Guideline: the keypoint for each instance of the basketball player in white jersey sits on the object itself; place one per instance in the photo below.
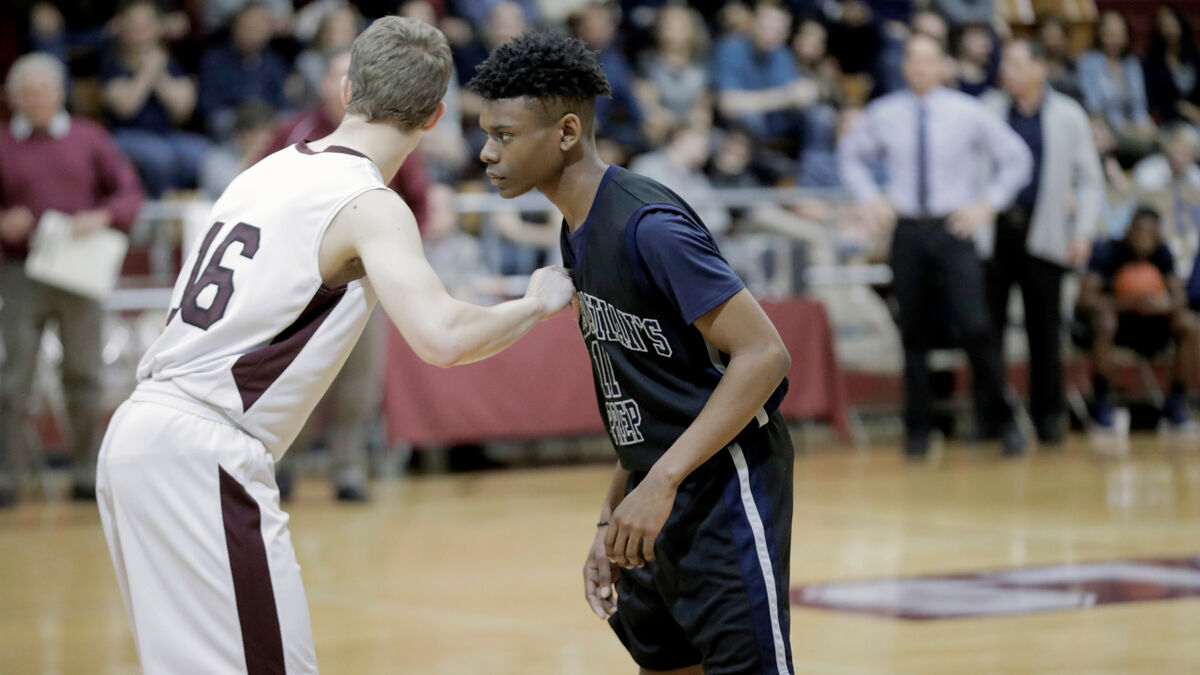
(264, 313)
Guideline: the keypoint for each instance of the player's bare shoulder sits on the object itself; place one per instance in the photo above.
(363, 222)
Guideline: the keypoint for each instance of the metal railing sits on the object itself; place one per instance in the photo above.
(155, 292)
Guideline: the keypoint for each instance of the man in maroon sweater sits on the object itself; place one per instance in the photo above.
(50, 160)
(353, 399)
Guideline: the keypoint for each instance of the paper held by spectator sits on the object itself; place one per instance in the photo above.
(88, 265)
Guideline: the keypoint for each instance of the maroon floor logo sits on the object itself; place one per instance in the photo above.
(1006, 592)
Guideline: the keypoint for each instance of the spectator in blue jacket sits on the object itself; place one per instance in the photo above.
(757, 82)
(245, 69)
(620, 117)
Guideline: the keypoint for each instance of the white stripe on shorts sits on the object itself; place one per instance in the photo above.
(764, 556)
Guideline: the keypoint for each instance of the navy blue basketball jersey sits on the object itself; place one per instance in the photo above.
(645, 268)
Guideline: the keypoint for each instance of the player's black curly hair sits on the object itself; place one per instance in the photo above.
(541, 65)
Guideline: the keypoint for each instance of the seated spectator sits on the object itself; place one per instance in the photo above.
(217, 14)
(892, 20)
(1172, 68)
(52, 161)
(243, 70)
(756, 80)
(482, 13)
(857, 43)
(619, 117)
(335, 32)
(555, 14)
(818, 153)
(253, 127)
(810, 46)
(929, 22)
(411, 181)
(507, 20)
(454, 255)
(79, 33)
(975, 70)
(678, 165)
(1112, 81)
(961, 13)
(1060, 65)
(735, 164)
(1131, 297)
(1120, 202)
(674, 81)
(148, 99)
(444, 149)
(1175, 167)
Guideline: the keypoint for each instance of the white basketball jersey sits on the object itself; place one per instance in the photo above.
(253, 331)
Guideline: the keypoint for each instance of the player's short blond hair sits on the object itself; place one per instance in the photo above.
(399, 71)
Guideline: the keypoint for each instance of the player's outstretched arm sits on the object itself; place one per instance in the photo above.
(379, 230)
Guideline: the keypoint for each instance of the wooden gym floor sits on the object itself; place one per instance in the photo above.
(480, 573)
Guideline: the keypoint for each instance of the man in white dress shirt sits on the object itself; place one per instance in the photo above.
(940, 196)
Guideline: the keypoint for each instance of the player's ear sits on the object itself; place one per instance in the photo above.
(433, 119)
(571, 128)
(347, 93)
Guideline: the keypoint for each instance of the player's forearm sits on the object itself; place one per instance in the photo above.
(749, 380)
(616, 492)
(475, 333)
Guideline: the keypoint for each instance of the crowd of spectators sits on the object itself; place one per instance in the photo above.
(180, 83)
(706, 94)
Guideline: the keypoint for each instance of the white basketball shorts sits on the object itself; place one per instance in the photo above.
(201, 548)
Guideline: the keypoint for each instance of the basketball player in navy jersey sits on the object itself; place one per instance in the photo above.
(695, 530)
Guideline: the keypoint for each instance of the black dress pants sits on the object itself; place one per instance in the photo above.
(1041, 291)
(938, 279)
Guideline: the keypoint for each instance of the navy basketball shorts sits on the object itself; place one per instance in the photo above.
(717, 592)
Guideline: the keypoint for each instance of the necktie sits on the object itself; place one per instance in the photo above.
(922, 160)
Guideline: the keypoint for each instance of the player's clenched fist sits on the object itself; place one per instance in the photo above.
(553, 286)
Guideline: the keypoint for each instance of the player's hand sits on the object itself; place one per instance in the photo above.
(15, 224)
(553, 286)
(634, 526)
(965, 221)
(600, 578)
(87, 222)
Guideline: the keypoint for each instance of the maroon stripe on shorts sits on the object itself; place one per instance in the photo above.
(256, 370)
(261, 638)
